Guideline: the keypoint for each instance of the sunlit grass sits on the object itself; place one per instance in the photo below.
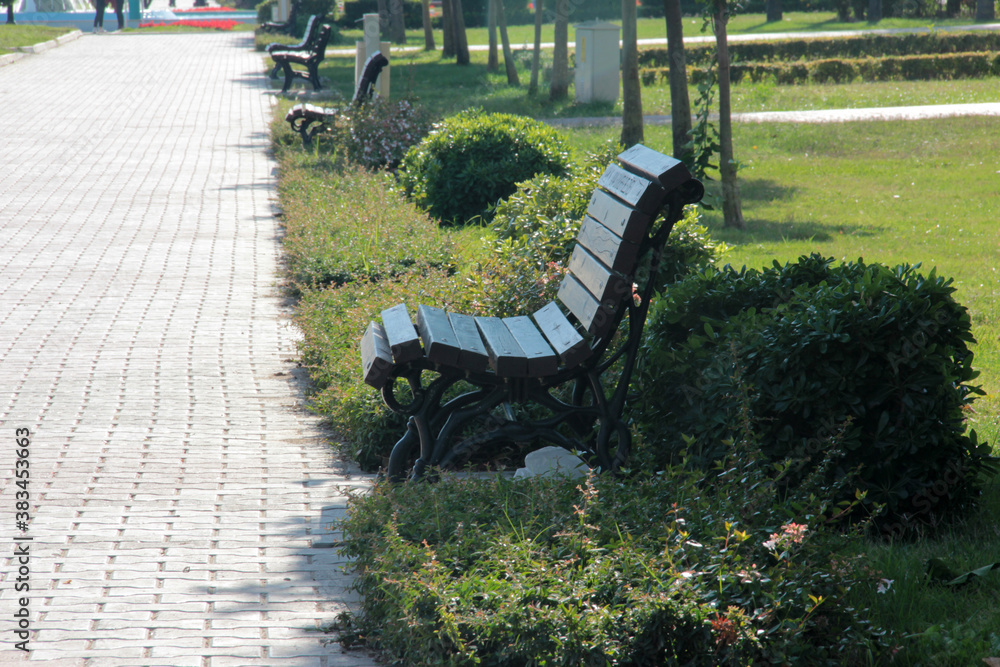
(15, 36)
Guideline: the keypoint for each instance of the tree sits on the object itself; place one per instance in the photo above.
(536, 54)
(10, 10)
(631, 91)
(874, 11)
(680, 102)
(447, 30)
(397, 28)
(492, 61)
(985, 10)
(774, 11)
(732, 213)
(461, 41)
(428, 28)
(559, 87)
(508, 56)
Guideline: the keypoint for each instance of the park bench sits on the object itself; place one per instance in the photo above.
(310, 59)
(286, 27)
(462, 379)
(308, 40)
(308, 119)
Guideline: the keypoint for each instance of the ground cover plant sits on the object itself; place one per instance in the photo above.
(892, 193)
(15, 36)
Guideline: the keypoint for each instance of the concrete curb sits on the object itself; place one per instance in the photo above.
(22, 51)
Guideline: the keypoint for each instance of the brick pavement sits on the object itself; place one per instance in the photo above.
(178, 491)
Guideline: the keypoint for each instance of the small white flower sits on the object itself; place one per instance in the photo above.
(884, 585)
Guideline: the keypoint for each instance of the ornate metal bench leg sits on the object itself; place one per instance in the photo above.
(417, 433)
(289, 75)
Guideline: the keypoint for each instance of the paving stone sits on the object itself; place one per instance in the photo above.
(177, 483)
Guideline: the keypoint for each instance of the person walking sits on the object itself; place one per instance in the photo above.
(118, 12)
(99, 17)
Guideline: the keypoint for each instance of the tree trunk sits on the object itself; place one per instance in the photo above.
(428, 28)
(461, 41)
(680, 102)
(536, 55)
(985, 10)
(383, 19)
(448, 30)
(508, 57)
(397, 28)
(953, 8)
(874, 11)
(732, 212)
(631, 91)
(559, 87)
(492, 61)
(774, 11)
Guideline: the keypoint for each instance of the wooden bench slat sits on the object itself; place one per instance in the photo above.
(669, 172)
(401, 334)
(506, 356)
(472, 356)
(593, 317)
(597, 278)
(376, 355)
(619, 217)
(614, 252)
(541, 359)
(634, 190)
(562, 335)
(440, 342)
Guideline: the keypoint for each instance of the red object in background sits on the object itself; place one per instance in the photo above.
(215, 24)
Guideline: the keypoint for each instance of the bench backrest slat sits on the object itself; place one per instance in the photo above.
(669, 172)
(601, 282)
(615, 253)
(636, 191)
(592, 316)
(618, 216)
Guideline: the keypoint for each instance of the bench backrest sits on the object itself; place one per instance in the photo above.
(613, 239)
(319, 53)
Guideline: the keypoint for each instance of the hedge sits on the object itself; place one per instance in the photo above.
(702, 55)
(895, 68)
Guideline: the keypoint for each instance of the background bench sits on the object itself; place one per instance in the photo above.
(308, 42)
(463, 376)
(310, 59)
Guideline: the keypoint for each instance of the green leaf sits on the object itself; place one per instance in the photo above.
(940, 573)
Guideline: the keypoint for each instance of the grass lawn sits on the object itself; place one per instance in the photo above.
(655, 28)
(15, 36)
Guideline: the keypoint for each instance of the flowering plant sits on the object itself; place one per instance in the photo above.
(214, 24)
(378, 133)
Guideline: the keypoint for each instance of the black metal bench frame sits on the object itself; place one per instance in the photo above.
(458, 370)
(310, 59)
(310, 119)
(308, 41)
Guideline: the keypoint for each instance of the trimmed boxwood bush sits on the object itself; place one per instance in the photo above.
(470, 161)
(862, 365)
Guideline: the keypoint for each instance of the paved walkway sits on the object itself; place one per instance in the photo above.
(180, 499)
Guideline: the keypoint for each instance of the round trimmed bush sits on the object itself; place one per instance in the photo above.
(853, 372)
(472, 160)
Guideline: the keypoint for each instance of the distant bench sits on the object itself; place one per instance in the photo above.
(308, 41)
(309, 58)
(309, 119)
(464, 375)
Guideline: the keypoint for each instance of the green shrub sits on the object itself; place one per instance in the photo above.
(869, 362)
(471, 160)
(559, 572)
(378, 133)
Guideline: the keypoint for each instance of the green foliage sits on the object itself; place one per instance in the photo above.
(826, 48)
(868, 362)
(346, 224)
(378, 133)
(554, 572)
(472, 160)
